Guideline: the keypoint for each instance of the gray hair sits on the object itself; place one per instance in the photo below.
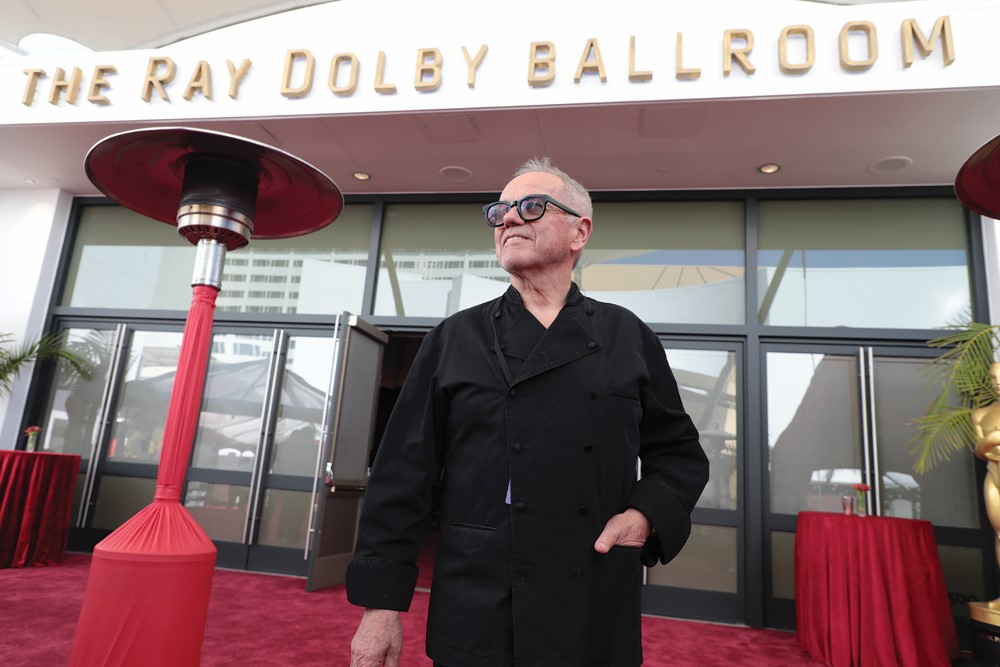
(573, 193)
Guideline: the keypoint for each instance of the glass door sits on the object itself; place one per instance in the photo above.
(706, 579)
(256, 448)
(840, 415)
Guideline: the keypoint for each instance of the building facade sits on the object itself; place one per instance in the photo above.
(795, 306)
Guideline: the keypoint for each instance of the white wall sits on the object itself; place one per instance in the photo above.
(33, 224)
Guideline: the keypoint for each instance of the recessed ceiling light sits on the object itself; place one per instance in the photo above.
(769, 168)
(30, 181)
(890, 164)
(456, 174)
(361, 175)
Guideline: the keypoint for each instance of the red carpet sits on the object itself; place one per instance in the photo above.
(256, 620)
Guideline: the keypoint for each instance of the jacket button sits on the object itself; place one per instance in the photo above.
(520, 507)
(496, 314)
(513, 393)
(516, 446)
(591, 345)
(582, 509)
(588, 447)
(577, 571)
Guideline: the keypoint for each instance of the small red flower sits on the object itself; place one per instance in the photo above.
(32, 429)
(861, 486)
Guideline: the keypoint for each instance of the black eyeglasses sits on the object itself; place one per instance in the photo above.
(529, 207)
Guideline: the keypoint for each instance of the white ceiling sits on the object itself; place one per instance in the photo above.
(714, 144)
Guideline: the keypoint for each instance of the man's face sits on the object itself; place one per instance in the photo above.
(544, 244)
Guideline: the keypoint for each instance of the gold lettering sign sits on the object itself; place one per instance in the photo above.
(806, 33)
(680, 72)
(291, 57)
(739, 55)
(474, 63)
(352, 81)
(588, 65)
(871, 35)
(99, 83)
(380, 86)
(236, 75)
(428, 76)
(541, 56)
(71, 86)
(155, 79)
(910, 32)
(633, 73)
(201, 81)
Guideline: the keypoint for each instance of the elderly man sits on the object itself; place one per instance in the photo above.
(533, 409)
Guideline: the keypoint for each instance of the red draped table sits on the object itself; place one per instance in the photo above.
(36, 500)
(870, 591)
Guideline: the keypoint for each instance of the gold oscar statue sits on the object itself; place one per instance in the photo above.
(986, 426)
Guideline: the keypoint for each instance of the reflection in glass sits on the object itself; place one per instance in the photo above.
(900, 263)
(70, 423)
(813, 429)
(707, 382)
(708, 562)
(783, 565)
(218, 508)
(123, 260)
(119, 499)
(141, 414)
(963, 575)
(668, 261)
(436, 260)
(283, 521)
(235, 385)
(945, 495)
(300, 411)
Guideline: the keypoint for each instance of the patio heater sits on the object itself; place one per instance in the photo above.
(977, 186)
(147, 594)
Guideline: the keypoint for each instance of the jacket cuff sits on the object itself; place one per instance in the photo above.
(380, 584)
(664, 510)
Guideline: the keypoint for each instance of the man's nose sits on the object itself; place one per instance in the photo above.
(512, 217)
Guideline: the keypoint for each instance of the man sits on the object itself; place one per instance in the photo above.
(533, 410)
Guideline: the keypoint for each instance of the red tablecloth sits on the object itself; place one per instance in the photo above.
(36, 499)
(870, 591)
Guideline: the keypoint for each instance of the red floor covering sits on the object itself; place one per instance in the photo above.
(263, 620)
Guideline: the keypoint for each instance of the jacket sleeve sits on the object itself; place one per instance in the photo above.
(396, 507)
(673, 464)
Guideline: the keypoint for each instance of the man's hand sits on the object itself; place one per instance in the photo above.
(628, 529)
(379, 639)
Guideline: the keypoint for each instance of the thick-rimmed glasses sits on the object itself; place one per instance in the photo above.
(529, 207)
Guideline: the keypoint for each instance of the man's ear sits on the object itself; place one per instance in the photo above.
(584, 226)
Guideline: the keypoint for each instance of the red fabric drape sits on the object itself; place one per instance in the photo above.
(150, 580)
(870, 591)
(36, 499)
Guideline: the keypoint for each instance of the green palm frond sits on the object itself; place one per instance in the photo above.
(963, 372)
(14, 359)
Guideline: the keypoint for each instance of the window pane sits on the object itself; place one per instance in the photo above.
(707, 562)
(899, 263)
(707, 382)
(668, 262)
(783, 565)
(119, 499)
(300, 411)
(813, 430)
(218, 508)
(229, 425)
(72, 413)
(963, 575)
(436, 260)
(284, 518)
(141, 415)
(124, 260)
(945, 495)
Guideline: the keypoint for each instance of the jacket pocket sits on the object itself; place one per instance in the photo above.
(472, 526)
(624, 392)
